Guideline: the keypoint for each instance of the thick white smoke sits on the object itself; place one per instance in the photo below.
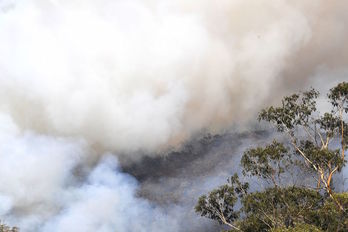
(83, 78)
(38, 191)
(140, 75)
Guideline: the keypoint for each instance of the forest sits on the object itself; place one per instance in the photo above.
(302, 171)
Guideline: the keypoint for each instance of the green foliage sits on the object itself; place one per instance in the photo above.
(280, 207)
(299, 228)
(314, 145)
(240, 188)
(339, 96)
(295, 110)
(339, 99)
(311, 135)
(331, 219)
(219, 204)
(6, 228)
(268, 163)
(322, 157)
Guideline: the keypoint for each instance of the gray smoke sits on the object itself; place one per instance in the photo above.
(39, 191)
(86, 83)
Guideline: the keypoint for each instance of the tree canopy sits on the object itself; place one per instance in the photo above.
(6, 228)
(314, 145)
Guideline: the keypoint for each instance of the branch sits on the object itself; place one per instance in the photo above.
(320, 136)
(293, 141)
(328, 188)
(223, 219)
(342, 128)
(269, 218)
(309, 134)
(303, 154)
(330, 176)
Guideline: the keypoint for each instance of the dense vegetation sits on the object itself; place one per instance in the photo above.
(6, 228)
(312, 146)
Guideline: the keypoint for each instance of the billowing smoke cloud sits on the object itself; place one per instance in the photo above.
(38, 191)
(80, 79)
(142, 75)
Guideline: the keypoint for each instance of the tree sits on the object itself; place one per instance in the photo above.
(268, 163)
(316, 142)
(6, 228)
(330, 219)
(219, 204)
(299, 228)
(298, 114)
(279, 208)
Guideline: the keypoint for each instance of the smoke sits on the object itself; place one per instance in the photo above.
(80, 80)
(39, 192)
(113, 71)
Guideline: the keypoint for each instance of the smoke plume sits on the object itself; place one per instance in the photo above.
(84, 84)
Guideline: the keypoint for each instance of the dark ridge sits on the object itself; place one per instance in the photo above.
(179, 162)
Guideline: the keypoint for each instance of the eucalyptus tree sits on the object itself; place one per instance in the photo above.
(316, 142)
(312, 135)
